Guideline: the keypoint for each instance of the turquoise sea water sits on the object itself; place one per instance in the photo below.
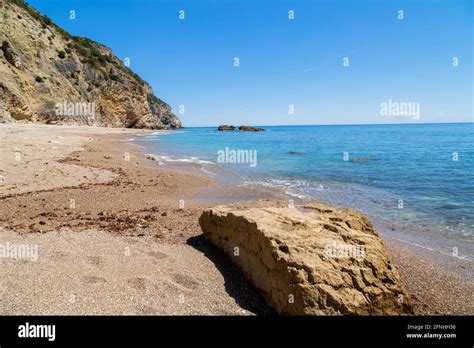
(416, 182)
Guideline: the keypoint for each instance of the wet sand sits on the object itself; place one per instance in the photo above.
(118, 234)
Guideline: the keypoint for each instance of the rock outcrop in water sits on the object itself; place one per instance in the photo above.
(50, 76)
(309, 260)
(225, 127)
(250, 129)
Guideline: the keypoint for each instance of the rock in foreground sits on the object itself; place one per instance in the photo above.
(309, 260)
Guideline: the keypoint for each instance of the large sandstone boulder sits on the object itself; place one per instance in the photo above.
(309, 260)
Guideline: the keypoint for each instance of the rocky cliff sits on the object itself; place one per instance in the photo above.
(50, 76)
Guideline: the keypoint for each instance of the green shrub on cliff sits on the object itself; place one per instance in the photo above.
(104, 73)
(153, 99)
(43, 19)
(84, 47)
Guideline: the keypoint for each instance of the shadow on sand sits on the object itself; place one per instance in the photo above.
(235, 284)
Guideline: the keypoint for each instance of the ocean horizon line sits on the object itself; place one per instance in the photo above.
(344, 124)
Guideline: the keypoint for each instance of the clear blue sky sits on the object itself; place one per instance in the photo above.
(285, 62)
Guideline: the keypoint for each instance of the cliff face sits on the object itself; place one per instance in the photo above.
(49, 76)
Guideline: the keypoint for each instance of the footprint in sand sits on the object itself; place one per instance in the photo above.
(137, 283)
(147, 310)
(59, 255)
(158, 255)
(94, 279)
(94, 260)
(186, 281)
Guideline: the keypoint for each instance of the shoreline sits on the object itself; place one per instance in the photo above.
(226, 178)
(121, 203)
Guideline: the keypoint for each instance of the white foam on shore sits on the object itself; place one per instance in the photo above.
(133, 144)
(187, 160)
(207, 172)
(461, 257)
(194, 160)
(288, 187)
(152, 135)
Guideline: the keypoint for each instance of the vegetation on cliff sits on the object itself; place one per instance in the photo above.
(43, 65)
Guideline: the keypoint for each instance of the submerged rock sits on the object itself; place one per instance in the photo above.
(364, 159)
(311, 259)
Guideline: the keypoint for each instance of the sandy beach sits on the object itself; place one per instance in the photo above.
(117, 233)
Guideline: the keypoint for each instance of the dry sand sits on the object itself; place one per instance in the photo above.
(114, 238)
(29, 156)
